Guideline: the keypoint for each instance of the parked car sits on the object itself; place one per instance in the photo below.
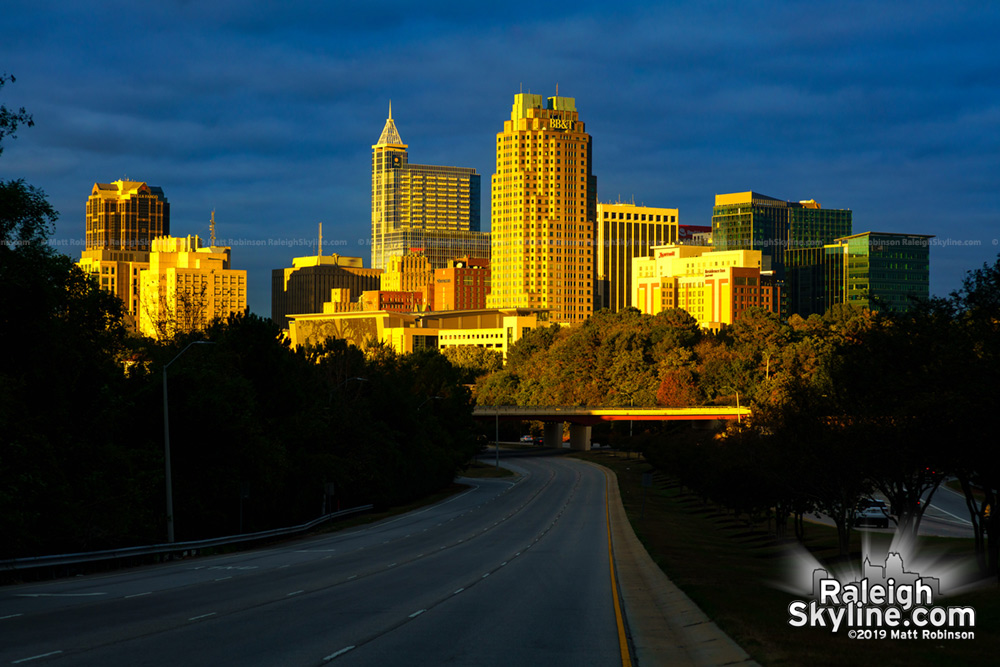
(872, 512)
(527, 438)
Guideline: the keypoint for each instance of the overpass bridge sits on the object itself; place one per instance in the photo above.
(581, 419)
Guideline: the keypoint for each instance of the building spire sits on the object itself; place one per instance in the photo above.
(390, 136)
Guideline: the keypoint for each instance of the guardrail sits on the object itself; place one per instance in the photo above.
(154, 549)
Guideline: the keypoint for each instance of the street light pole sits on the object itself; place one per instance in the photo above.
(166, 442)
(496, 443)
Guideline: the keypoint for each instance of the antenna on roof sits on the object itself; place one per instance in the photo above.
(320, 253)
(390, 109)
(211, 229)
(557, 90)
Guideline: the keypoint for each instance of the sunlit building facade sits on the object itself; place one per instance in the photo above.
(117, 271)
(886, 272)
(307, 285)
(752, 221)
(463, 285)
(431, 208)
(126, 216)
(544, 207)
(626, 231)
(188, 286)
(715, 287)
(409, 331)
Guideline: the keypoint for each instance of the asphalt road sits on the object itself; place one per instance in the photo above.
(507, 573)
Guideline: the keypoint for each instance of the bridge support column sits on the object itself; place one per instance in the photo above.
(553, 435)
(579, 437)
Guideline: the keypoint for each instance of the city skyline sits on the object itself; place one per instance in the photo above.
(268, 119)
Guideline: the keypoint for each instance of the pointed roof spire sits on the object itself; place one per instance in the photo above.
(390, 136)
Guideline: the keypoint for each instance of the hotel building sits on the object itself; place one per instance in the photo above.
(430, 208)
(187, 287)
(544, 206)
(714, 287)
(626, 231)
(463, 285)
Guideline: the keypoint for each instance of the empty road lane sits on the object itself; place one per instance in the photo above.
(509, 572)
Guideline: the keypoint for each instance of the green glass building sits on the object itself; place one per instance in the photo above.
(885, 271)
(752, 221)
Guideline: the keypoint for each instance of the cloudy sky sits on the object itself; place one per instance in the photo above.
(266, 112)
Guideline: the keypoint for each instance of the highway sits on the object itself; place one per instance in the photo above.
(508, 572)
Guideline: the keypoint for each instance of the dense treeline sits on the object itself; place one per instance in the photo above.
(843, 405)
(257, 430)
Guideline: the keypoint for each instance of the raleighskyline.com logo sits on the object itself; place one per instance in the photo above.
(886, 603)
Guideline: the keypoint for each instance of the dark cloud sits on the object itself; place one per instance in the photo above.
(266, 112)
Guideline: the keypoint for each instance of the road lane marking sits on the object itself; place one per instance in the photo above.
(353, 576)
(195, 618)
(138, 595)
(2, 618)
(619, 620)
(458, 591)
(417, 613)
(57, 595)
(338, 653)
(223, 578)
(294, 593)
(35, 657)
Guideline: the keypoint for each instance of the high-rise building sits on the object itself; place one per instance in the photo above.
(885, 271)
(306, 286)
(875, 270)
(436, 209)
(117, 271)
(626, 231)
(126, 216)
(751, 221)
(544, 207)
(187, 286)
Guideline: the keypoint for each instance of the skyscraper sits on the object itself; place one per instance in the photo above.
(544, 204)
(752, 221)
(414, 206)
(126, 215)
(626, 231)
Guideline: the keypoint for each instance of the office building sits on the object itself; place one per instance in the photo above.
(626, 231)
(435, 209)
(886, 272)
(544, 207)
(307, 285)
(188, 286)
(125, 216)
(752, 221)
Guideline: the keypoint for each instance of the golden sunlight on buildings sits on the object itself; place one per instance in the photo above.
(407, 332)
(544, 203)
(714, 287)
(187, 286)
(626, 231)
(126, 215)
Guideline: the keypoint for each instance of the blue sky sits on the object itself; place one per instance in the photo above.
(267, 114)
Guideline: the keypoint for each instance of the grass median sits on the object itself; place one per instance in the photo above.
(730, 569)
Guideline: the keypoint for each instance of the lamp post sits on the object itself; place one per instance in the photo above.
(429, 398)
(737, 392)
(496, 443)
(166, 441)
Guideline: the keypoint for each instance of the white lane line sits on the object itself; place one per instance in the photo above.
(458, 591)
(486, 575)
(294, 593)
(391, 565)
(35, 657)
(10, 616)
(195, 618)
(57, 595)
(338, 653)
(314, 551)
(353, 576)
(417, 613)
(223, 578)
(138, 595)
